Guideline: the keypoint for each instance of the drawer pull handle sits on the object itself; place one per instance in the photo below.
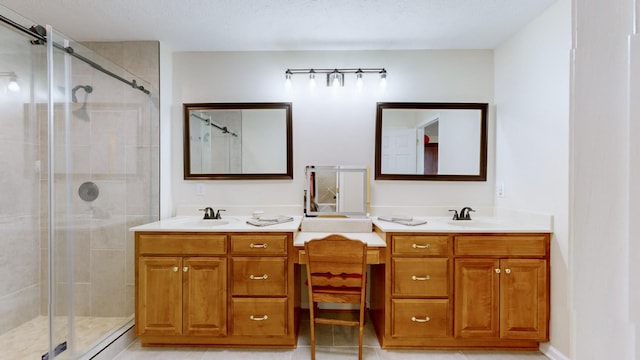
(261, 318)
(258, 246)
(263, 277)
(425, 246)
(426, 319)
(508, 271)
(185, 269)
(497, 271)
(418, 278)
(175, 269)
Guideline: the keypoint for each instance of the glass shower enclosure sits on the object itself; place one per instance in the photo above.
(79, 162)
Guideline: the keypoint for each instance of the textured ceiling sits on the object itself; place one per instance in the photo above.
(244, 25)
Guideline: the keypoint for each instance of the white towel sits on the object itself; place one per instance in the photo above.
(269, 220)
(404, 220)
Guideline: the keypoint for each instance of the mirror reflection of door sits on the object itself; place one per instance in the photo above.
(430, 145)
(399, 151)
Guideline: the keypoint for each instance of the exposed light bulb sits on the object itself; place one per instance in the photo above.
(336, 81)
(287, 81)
(13, 85)
(312, 78)
(383, 78)
(359, 80)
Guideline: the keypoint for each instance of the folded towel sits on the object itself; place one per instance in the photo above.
(269, 220)
(404, 220)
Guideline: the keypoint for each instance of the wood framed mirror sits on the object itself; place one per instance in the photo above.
(431, 141)
(238, 141)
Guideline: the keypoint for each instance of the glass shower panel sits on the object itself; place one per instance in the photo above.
(23, 325)
(105, 180)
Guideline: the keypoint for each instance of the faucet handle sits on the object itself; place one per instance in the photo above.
(217, 215)
(455, 214)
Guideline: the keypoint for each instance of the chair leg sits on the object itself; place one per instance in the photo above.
(361, 332)
(312, 330)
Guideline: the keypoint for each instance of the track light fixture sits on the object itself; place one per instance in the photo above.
(335, 77)
(13, 81)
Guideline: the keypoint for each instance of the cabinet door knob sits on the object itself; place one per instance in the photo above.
(258, 246)
(415, 319)
(497, 271)
(175, 269)
(258, 318)
(185, 269)
(507, 270)
(254, 277)
(420, 278)
(425, 246)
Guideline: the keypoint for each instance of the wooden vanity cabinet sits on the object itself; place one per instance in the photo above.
(462, 291)
(259, 295)
(216, 289)
(502, 287)
(416, 286)
(181, 285)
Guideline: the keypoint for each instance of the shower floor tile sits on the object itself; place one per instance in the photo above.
(31, 339)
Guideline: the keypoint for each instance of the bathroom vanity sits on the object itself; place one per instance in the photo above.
(226, 284)
(479, 284)
(465, 284)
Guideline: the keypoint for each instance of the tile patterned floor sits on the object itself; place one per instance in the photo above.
(332, 343)
(30, 340)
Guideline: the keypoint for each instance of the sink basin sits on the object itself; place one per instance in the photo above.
(199, 223)
(474, 224)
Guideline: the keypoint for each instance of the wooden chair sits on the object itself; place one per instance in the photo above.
(336, 273)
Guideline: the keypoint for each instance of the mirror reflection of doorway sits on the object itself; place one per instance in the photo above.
(430, 141)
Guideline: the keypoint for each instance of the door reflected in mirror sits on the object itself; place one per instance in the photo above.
(336, 190)
(431, 141)
(237, 141)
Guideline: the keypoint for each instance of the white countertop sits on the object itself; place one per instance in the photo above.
(476, 225)
(226, 224)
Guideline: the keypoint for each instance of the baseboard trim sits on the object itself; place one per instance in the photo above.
(552, 353)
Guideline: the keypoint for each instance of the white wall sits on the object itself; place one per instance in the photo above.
(532, 141)
(330, 126)
(166, 166)
(605, 212)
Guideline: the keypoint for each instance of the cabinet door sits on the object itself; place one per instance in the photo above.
(159, 296)
(205, 296)
(477, 286)
(524, 299)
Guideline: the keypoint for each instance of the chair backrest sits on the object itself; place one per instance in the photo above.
(336, 263)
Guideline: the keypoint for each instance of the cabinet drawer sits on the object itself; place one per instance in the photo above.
(420, 277)
(259, 276)
(259, 244)
(420, 318)
(181, 244)
(420, 245)
(259, 317)
(502, 245)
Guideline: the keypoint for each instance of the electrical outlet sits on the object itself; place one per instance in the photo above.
(200, 189)
(500, 190)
